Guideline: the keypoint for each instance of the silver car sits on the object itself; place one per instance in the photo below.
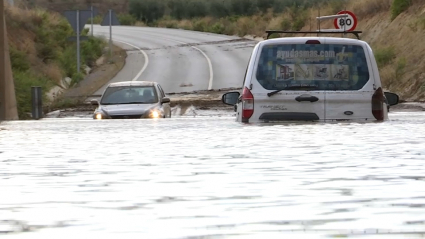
(132, 100)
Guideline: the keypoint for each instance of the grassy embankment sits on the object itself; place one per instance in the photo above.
(42, 56)
(394, 28)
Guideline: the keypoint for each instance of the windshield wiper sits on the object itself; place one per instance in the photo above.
(292, 88)
(133, 102)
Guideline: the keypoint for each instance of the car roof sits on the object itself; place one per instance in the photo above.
(132, 83)
(302, 40)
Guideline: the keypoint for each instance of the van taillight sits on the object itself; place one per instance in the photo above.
(247, 104)
(378, 100)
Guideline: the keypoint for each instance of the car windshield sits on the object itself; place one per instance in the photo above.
(312, 66)
(129, 95)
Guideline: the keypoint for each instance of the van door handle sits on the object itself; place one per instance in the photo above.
(306, 98)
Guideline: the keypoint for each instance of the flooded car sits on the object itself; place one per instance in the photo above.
(132, 100)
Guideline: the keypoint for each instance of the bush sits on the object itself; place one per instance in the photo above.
(24, 80)
(19, 60)
(398, 7)
(54, 56)
(91, 50)
(384, 56)
(147, 11)
(127, 19)
(285, 25)
(217, 28)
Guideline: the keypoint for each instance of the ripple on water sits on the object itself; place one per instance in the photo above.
(190, 177)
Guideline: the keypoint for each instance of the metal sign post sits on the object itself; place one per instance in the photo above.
(94, 13)
(77, 19)
(110, 32)
(78, 41)
(91, 30)
(110, 19)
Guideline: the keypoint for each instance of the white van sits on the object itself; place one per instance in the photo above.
(311, 79)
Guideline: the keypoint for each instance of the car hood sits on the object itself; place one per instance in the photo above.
(127, 109)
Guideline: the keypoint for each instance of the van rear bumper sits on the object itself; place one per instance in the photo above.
(289, 116)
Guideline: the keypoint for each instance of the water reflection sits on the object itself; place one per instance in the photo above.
(205, 177)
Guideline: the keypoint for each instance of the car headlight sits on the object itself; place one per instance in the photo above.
(99, 116)
(155, 114)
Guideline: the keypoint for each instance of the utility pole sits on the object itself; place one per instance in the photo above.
(8, 107)
(2, 64)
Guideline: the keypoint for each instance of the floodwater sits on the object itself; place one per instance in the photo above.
(211, 177)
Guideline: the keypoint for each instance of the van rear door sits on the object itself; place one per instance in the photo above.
(351, 86)
(299, 105)
(328, 79)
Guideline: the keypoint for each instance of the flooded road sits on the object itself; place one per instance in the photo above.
(210, 177)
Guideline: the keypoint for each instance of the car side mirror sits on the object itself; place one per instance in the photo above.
(94, 102)
(165, 100)
(230, 98)
(392, 98)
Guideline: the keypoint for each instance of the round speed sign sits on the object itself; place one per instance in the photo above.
(348, 23)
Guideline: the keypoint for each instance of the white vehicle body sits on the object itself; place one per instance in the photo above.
(311, 79)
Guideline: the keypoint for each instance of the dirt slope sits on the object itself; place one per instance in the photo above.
(399, 41)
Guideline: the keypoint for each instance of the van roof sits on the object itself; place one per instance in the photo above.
(302, 40)
(132, 83)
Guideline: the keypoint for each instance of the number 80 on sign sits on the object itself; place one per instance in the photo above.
(348, 23)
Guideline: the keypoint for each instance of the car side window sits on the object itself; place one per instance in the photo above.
(162, 92)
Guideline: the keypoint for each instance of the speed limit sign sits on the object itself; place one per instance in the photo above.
(348, 23)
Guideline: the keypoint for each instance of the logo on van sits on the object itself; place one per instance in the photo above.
(309, 55)
(274, 107)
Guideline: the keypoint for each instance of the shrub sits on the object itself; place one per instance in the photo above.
(19, 60)
(285, 24)
(127, 19)
(217, 28)
(384, 56)
(398, 7)
(24, 80)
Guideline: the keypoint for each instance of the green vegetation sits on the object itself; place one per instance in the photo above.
(41, 54)
(384, 56)
(150, 11)
(398, 7)
(400, 69)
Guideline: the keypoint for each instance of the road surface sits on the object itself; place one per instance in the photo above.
(180, 60)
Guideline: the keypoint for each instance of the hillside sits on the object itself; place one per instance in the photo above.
(119, 6)
(41, 54)
(395, 30)
(396, 41)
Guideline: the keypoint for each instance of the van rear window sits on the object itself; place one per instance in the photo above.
(312, 66)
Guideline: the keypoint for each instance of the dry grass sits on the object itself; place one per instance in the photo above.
(366, 8)
(53, 71)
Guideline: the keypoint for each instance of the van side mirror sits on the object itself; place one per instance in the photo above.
(165, 100)
(230, 98)
(94, 102)
(392, 98)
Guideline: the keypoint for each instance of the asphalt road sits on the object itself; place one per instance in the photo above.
(180, 60)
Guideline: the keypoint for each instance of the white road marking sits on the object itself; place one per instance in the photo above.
(210, 81)
(144, 54)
